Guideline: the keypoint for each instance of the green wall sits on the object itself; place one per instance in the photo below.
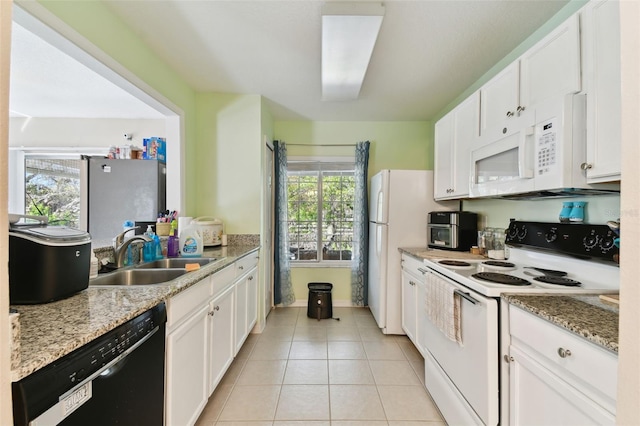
(228, 167)
(496, 213)
(394, 144)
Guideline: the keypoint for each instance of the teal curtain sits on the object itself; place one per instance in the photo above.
(360, 261)
(283, 289)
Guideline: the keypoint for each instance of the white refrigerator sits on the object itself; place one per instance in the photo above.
(398, 205)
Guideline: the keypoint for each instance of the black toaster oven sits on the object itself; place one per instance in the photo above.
(452, 230)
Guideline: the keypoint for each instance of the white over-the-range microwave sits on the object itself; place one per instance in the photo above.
(541, 154)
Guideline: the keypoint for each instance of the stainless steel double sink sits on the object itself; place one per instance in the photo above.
(155, 272)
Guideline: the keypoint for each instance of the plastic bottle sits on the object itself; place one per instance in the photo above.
(191, 244)
(93, 270)
(173, 244)
(157, 246)
(149, 250)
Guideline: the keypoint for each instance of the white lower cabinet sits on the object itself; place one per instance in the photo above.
(252, 300)
(413, 301)
(556, 377)
(221, 341)
(240, 313)
(246, 295)
(203, 336)
(187, 361)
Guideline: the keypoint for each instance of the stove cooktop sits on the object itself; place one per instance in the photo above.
(543, 258)
(529, 271)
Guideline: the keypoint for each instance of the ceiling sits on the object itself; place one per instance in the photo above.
(427, 53)
(45, 82)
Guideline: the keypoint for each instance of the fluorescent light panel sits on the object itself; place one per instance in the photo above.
(349, 33)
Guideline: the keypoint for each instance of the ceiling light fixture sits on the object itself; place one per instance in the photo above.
(349, 33)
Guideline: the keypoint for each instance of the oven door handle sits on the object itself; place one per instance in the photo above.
(466, 296)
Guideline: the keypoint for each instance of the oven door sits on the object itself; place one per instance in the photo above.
(505, 166)
(442, 236)
(463, 378)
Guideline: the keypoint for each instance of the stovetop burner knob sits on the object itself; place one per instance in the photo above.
(606, 243)
(551, 236)
(590, 241)
(522, 233)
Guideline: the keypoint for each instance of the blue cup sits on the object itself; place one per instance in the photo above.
(577, 212)
(565, 213)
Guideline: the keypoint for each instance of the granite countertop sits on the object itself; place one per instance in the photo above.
(584, 315)
(429, 253)
(52, 330)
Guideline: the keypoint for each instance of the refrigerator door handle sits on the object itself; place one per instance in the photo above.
(378, 241)
(380, 209)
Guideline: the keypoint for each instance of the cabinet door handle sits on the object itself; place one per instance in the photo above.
(510, 114)
(424, 271)
(586, 166)
(211, 313)
(508, 358)
(519, 109)
(241, 267)
(412, 283)
(564, 353)
(251, 278)
(217, 308)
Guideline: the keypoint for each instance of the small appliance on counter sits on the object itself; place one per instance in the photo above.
(46, 263)
(452, 230)
(210, 229)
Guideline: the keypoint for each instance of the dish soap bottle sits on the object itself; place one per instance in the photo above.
(191, 244)
(149, 248)
(157, 246)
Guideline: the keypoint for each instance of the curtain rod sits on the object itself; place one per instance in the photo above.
(320, 144)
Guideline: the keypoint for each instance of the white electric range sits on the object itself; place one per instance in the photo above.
(543, 258)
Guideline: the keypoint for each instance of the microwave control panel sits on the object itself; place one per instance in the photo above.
(546, 141)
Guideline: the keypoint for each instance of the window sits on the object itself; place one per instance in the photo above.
(52, 189)
(320, 211)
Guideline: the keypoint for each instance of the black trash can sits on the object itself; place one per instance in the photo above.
(319, 305)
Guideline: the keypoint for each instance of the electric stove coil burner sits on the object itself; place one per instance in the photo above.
(459, 263)
(497, 278)
(499, 264)
(551, 279)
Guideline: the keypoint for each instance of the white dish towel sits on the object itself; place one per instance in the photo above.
(442, 306)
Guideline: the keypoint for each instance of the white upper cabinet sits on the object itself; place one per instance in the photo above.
(601, 31)
(551, 68)
(499, 101)
(454, 135)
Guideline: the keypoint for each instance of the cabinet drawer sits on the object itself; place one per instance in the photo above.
(413, 266)
(222, 279)
(585, 365)
(246, 264)
(182, 304)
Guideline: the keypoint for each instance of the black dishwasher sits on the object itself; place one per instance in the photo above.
(116, 379)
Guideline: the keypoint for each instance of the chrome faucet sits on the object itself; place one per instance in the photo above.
(121, 248)
(119, 239)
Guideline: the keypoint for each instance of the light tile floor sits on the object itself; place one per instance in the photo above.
(301, 371)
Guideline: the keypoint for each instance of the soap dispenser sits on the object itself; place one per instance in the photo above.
(149, 248)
